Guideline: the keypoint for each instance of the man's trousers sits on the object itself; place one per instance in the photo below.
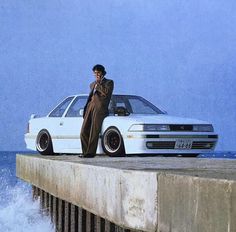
(90, 129)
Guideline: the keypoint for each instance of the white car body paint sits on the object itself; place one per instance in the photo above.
(65, 132)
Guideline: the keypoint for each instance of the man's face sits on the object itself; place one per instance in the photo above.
(98, 75)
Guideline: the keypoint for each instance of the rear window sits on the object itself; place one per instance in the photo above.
(60, 109)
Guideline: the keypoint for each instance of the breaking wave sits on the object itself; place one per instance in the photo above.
(18, 212)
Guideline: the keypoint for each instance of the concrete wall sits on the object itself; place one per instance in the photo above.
(148, 194)
(116, 195)
(67, 217)
(192, 204)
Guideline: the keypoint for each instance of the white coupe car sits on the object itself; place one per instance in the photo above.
(134, 126)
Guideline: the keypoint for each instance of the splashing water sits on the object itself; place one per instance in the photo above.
(18, 212)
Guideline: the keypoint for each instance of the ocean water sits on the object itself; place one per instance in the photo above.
(18, 212)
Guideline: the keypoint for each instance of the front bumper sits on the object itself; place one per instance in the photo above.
(161, 143)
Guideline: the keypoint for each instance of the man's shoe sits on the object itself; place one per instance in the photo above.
(90, 156)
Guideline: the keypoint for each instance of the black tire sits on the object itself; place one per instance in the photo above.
(44, 143)
(112, 142)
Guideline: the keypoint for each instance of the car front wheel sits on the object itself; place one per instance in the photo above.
(44, 143)
(112, 142)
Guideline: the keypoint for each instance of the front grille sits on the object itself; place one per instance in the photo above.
(152, 136)
(171, 145)
(156, 136)
(161, 145)
(203, 144)
(213, 136)
(181, 127)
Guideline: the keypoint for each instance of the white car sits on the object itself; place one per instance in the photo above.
(134, 126)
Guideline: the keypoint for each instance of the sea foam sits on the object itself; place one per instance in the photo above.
(18, 212)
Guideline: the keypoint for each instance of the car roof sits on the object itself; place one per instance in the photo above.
(115, 95)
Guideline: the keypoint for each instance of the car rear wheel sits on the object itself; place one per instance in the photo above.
(112, 142)
(44, 143)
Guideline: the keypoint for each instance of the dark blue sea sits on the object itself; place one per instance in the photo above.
(18, 212)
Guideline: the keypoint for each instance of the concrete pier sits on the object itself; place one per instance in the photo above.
(134, 194)
(68, 217)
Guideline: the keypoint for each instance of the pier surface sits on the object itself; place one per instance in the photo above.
(146, 194)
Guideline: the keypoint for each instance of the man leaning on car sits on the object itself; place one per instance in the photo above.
(95, 110)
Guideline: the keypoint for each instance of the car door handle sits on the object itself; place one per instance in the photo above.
(61, 123)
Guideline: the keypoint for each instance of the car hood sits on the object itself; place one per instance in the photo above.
(164, 119)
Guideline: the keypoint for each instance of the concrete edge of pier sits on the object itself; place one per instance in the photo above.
(193, 196)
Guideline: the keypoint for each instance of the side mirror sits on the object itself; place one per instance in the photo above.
(121, 111)
(81, 112)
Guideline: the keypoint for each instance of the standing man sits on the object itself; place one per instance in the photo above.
(95, 110)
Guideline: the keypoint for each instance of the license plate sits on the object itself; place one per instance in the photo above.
(183, 144)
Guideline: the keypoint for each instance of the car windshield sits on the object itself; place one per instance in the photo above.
(134, 105)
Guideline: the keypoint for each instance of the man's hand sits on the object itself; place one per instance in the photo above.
(97, 87)
(104, 89)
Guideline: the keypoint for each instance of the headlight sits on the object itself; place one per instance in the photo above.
(149, 127)
(203, 128)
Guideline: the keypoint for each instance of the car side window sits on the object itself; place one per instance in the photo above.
(60, 109)
(140, 107)
(121, 101)
(76, 106)
(111, 107)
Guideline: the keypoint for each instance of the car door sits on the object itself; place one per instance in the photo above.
(70, 126)
(54, 118)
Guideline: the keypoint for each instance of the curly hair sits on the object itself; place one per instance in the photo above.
(101, 68)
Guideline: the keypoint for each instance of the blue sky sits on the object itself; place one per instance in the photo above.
(180, 55)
